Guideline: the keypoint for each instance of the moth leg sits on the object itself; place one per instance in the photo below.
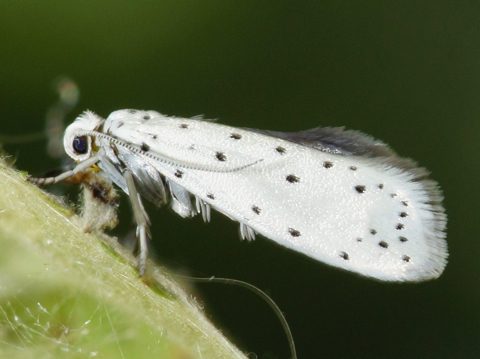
(246, 232)
(82, 166)
(142, 220)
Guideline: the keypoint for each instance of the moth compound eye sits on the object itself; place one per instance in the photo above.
(80, 145)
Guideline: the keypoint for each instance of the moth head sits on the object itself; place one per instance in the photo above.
(78, 144)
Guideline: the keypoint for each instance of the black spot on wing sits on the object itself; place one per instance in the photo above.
(293, 232)
(383, 244)
(292, 178)
(221, 156)
(360, 188)
(178, 174)
(256, 209)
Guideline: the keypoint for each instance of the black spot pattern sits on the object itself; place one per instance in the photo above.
(178, 173)
(120, 124)
(235, 136)
(353, 168)
(292, 179)
(406, 259)
(327, 164)
(359, 239)
(380, 185)
(405, 203)
(294, 232)
(146, 117)
(403, 214)
(154, 137)
(132, 111)
(145, 147)
(280, 150)
(393, 195)
(399, 226)
(360, 188)
(211, 196)
(373, 232)
(403, 239)
(383, 244)
(256, 209)
(183, 125)
(221, 156)
(344, 255)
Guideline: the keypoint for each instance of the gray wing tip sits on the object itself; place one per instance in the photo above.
(336, 140)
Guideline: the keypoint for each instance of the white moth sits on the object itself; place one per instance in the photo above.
(340, 197)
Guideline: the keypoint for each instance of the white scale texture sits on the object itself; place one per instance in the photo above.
(358, 213)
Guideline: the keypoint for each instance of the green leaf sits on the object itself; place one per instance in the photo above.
(68, 294)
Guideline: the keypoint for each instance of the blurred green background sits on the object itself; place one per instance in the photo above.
(405, 72)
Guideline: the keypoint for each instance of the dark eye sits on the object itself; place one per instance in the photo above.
(80, 145)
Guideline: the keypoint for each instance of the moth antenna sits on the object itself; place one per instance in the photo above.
(188, 165)
(261, 294)
(167, 159)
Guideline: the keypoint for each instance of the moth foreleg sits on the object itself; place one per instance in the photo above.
(141, 219)
(82, 166)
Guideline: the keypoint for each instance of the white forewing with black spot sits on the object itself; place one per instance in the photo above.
(337, 196)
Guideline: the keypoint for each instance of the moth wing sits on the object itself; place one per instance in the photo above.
(170, 140)
(364, 213)
(336, 140)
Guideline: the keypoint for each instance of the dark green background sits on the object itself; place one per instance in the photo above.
(406, 72)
